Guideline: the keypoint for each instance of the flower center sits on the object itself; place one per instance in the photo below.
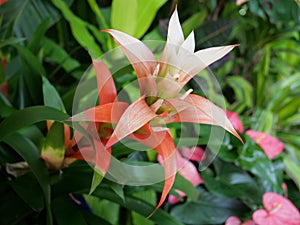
(278, 206)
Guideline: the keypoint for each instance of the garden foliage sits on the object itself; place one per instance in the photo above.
(47, 47)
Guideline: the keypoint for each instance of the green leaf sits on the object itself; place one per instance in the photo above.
(36, 40)
(184, 185)
(96, 9)
(208, 209)
(30, 153)
(253, 159)
(31, 60)
(148, 196)
(29, 190)
(232, 182)
(290, 137)
(139, 206)
(193, 22)
(13, 208)
(10, 41)
(213, 33)
(65, 212)
(293, 169)
(105, 209)
(137, 18)
(51, 96)
(23, 17)
(289, 109)
(265, 122)
(29, 116)
(77, 178)
(96, 181)
(53, 149)
(242, 90)
(55, 54)
(79, 29)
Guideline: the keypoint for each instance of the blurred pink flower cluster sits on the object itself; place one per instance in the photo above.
(278, 210)
(271, 145)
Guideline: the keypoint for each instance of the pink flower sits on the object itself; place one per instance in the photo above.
(233, 220)
(235, 121)
(195, 154)
(272, 146)
(278, 211)
(187, 170)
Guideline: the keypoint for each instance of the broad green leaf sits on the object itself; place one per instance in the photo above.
(23, 17)
(96, 9)
(148, 196)
(105, 209)
(293, 120)
(31, 154)
(290, 137)
(209, 209)
(10, 41)
(289, 109)
(77, 178)
(31, 60)
(118, 189)
(213, 33)
(184, 185)
(139, 206)
(51, 96)
(124, 20)
(253, 159)
(265, 122)
(232, 182)
(36, 39)
(29, 190)
(65, 212)
(242, 89)
(146, 13)
(93, 219)
(137, 18)
(12, 207)
(53, 149)
(56, 54)
(293, 169)
(193, 22)
(29, 116)
(277, 99)
(79, 29)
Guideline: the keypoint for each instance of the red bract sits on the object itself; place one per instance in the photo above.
(271, 145)
(187, 170)
(109, 111)
(161, 100)
(278, 211)
(235, 121)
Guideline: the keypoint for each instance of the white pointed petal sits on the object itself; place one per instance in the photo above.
(210, 55)
(175, 34)
(189, 43)
(136, 51)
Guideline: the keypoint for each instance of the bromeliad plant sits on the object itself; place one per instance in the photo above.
(161, 99)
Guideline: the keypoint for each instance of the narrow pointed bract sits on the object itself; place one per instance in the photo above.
(106, 86)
